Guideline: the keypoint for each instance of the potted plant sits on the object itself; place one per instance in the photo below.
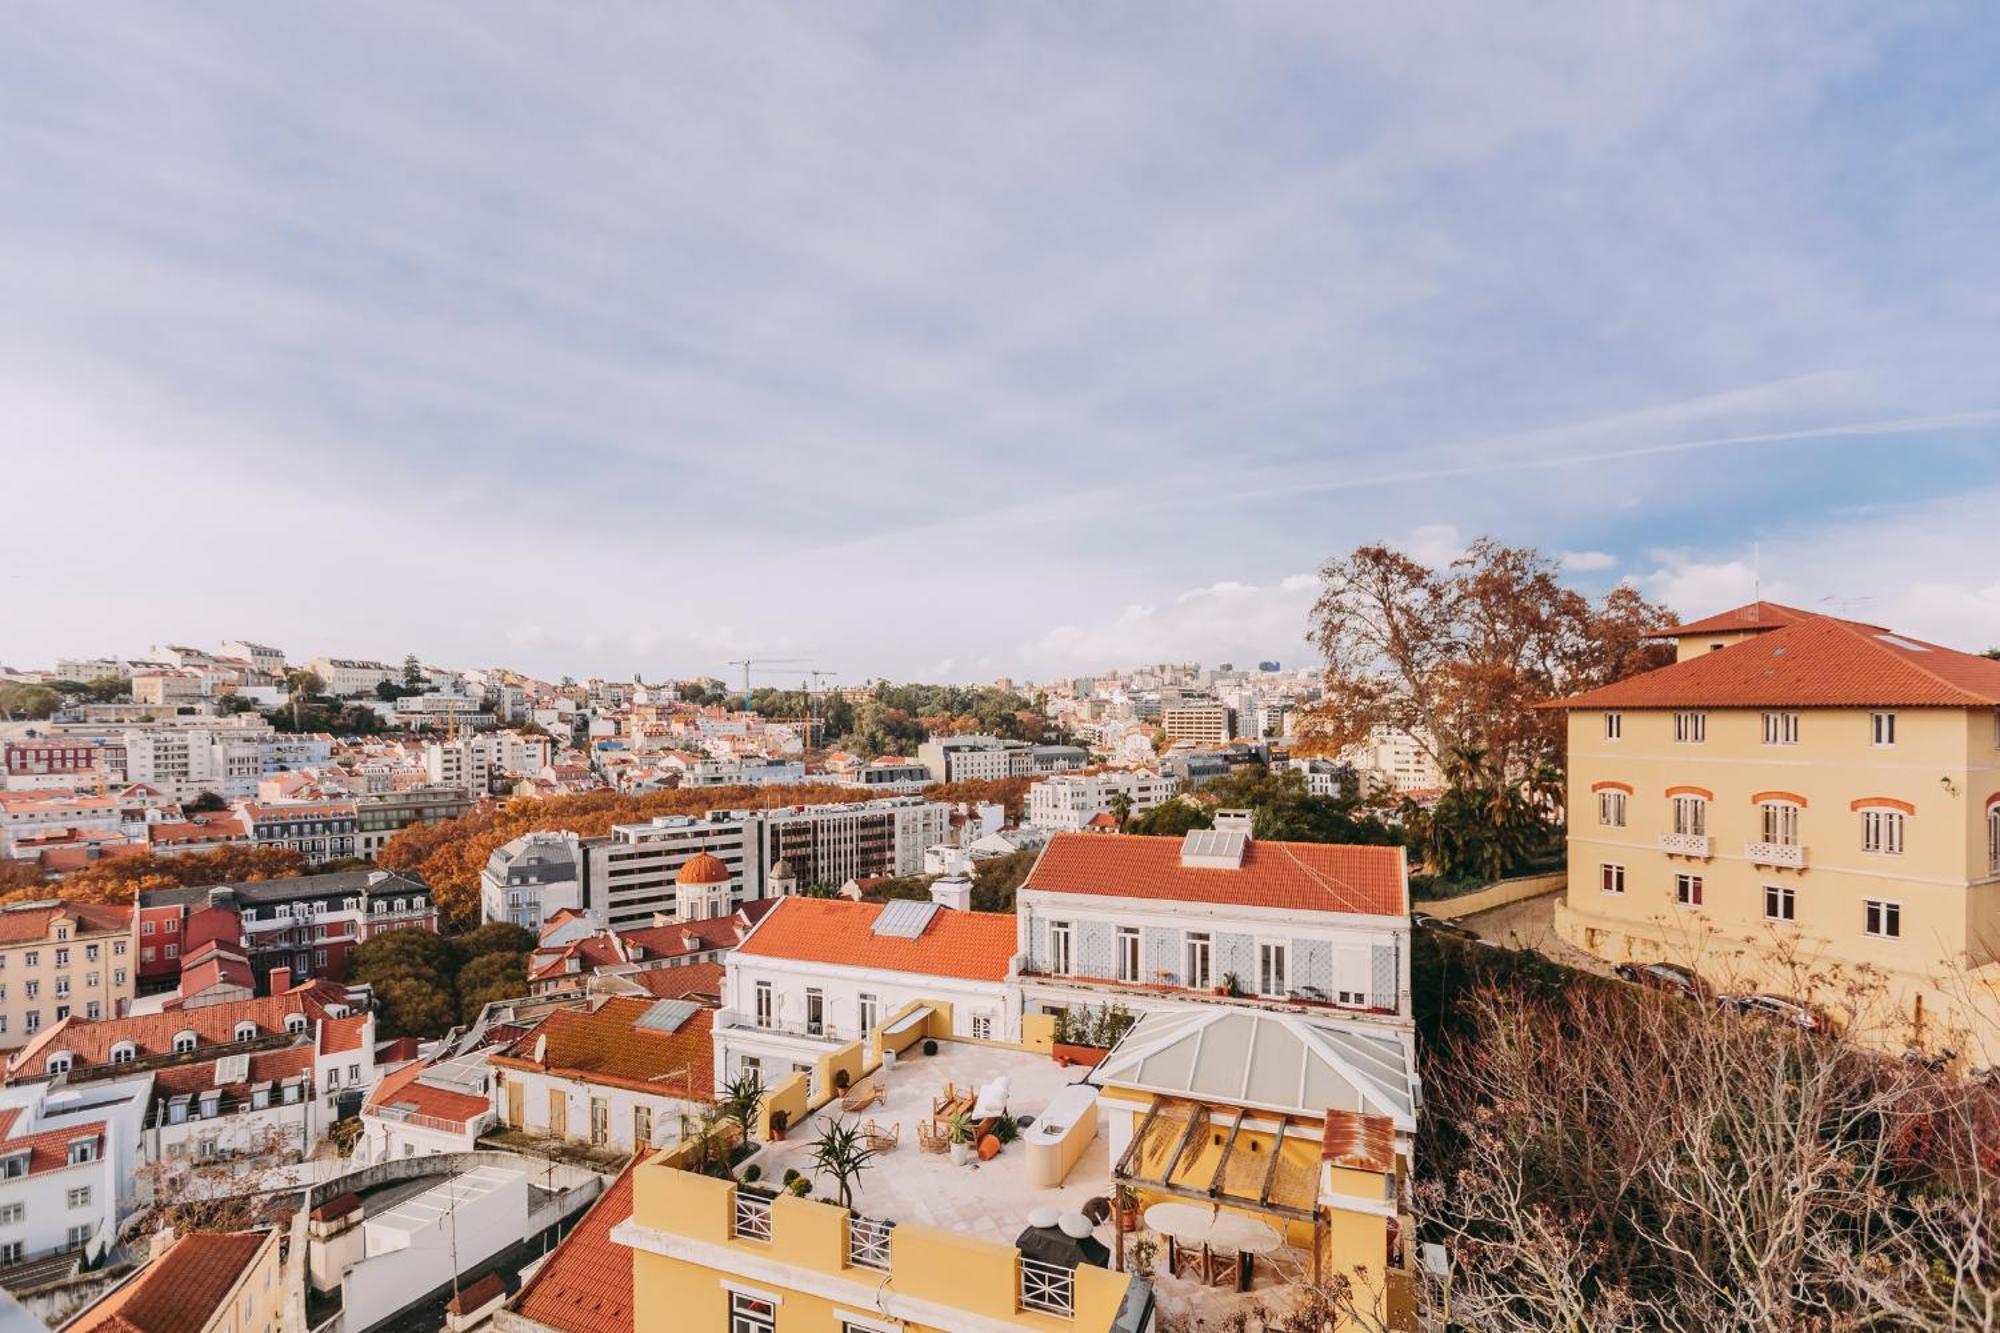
(841, 1080)
(779, 1121)
(930, 1047)
(959, 1131)
(1125, 1208)
(1144, 1250)
(1228, 986)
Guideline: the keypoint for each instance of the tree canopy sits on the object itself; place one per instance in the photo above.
(1283, 810)
(426, 982)
(116, 881)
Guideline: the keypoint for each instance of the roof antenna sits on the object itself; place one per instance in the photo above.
(1756, 580)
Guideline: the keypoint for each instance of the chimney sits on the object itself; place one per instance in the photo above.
(952, 891)
(281, 980)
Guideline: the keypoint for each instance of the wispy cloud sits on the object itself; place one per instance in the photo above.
(642, 341)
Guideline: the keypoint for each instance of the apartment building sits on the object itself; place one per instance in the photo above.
(621, 1074)
(25, 815)
(66, 1168)
(831, 844)
(889, 776)
(980, 758)
(1068, 802)
(529, 880)
(168, 689)
(818, 973)
(261, 656)
(319, 831)
(1145, 922)
(380, 816)
(60, 763)
(1198, 722)
(1799, 805)
(352, 678)
(58, 959)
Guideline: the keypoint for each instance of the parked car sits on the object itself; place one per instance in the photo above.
(1781, 1007)
(1425, 921)
(1669, 977)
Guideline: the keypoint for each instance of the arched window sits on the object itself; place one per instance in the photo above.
(1690, 815)
(58, 1063)
(123, 1053)
(246, 1031)
(185, 1041)
(295, 1023)
(1781, 822)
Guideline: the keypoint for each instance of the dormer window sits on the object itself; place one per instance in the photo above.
(123, 1053)
(185, 1041)
(58, 1063)
(81, 1151)
(13, 1166)
(295, 1023)
(246, 1031)
(211, 1105)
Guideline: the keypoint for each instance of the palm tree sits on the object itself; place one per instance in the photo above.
(1120, 806)
(742, 1098)
(840, 1151)
(709, 1133)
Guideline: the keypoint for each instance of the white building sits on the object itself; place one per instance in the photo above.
(528, 880)
(744, 772)
(261, 656)
(67, 1166)
(817, 973)
(1066, 802)
(975, 758)
(1393, 761)
(352, 678)
(423, 1110)
(621, 1074)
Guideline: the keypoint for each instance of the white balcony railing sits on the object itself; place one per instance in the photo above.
(731, 1018)
(1047, 1287)
(868, 1242)
(753, 1216)
(1789, 855)
(1686, 844)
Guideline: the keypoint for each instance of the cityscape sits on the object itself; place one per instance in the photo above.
(944, 671)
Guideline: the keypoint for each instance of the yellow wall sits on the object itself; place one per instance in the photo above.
(956, 1271)
(787, 1095)
(1038, 1031)
(1944, 765)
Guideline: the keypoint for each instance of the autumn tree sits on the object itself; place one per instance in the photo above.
(27, 702)
(1458, 658)
(117, 881)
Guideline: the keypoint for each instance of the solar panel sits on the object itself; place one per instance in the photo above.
(904, 918)
(1213, 848)
(667, 1015)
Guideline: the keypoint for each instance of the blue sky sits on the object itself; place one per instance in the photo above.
(952, 341)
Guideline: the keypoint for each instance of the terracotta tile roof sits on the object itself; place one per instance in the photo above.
(90, 1041)
(20, 925)
(403, 1088)
(1814, 663)
(264, 1067)
(181, 1291)
(974, 946)
(586, 1285)
(605, 1046)
(63, 860)
(1753, 617)
(1365, 1142)
(49, 1150)
(213, 828)
(217, 969)
(340, 1205)
(1289, 876)
(489, 1288)
(342, 1034)
(680, 983)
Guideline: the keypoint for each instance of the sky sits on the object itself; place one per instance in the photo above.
(946, 342)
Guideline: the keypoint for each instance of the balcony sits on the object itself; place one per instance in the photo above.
(826, 1032)
(1050, 1288)
(1687, 844)
(1784, 855)
(753, 1216)
(868, 1242)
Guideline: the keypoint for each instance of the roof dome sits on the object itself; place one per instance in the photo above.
(701, 868)
(783, 870)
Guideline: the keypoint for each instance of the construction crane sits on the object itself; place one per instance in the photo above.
(748, 662)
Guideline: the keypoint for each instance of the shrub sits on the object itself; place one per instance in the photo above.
(930, 1047)
(800, 1187)
(751, 1173)
(1005, 1129)
(791, 1175)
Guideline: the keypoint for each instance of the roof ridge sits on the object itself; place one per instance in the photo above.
(1884, 649)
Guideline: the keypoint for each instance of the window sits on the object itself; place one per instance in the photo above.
(12, 1213)
(90, 953)
(1883, 919)
(1614, 726)
(1690, 728)
(1992, 842)
(1882, 832)
(751, 1314)
(62, 957)
(81, 1151)
(10, 1252)
(1196, 965)
(867, 1012)
(118, 950)
(34, 958)
(1128, 953)
(246, 1031)
(78, 1237)
(146, 954)
(763, 994)
(1059, 951)
(1780, 903)
(184, 1041)
(1883, 726)
(93, 1010)
(982, 1027)
(1611, 879)
(145, 928)
(1272, 975)
(642, 1126)
(1611, 809)
(600, 1121)
(1687, 890)
(34, 989)
(815, 1010)
(118, 977)
(1781, 823)
(1781, 728)
(34, 1020)
(1690, 815)
(79, 1197)
(173, 951)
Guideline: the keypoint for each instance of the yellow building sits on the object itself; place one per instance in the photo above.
(60, 959)
(204, 1282)
(1800, 806)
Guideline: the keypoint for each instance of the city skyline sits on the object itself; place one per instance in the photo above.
(997, 343)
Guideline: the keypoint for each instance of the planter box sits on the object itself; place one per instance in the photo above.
(1087, 1056)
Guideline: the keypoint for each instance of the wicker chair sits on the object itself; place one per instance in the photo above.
(930, 1139)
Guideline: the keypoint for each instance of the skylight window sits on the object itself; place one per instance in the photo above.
(1898, 641)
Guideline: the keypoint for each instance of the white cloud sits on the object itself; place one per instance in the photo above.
(1433, 544)
(1587, 562)
(1222, 622)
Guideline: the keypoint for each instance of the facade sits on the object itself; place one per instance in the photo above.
(59, 959)
(529, 880)
(1200, 723)
(897, 777)
(620, 1075)
(1802, 806)
(966, 758)
(304, 927)
(819, 973)
(204, 1282)
(1067, 802)
(423, 1110)
(59, 763)
(261, 656)
(352, 678)
(572, 951)
(1146, 922)
(319, 831)
(831, 844)
(382, 815)
(744, 772)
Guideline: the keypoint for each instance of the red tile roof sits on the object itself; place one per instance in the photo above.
(182, 1290)
(604, 1046)
(680, 983)
(402, 1088)
(264, 1067)
(90, 1041)
(20, 925)
(586, 1285)
(974, 946)
(1289, 876)
(342, 1034)
(1814, 663)
(49, 1149)
(1753, 617)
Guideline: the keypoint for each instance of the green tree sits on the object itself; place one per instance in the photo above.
(1172, 819)
(840, 1151)
(415, 1007)
(413, 674)
(1120, 805)
(490, 977)
(742, 1099)
(20, 702)
(208, 803)
(494, 937)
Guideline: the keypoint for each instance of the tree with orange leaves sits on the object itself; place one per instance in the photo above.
(121, 880)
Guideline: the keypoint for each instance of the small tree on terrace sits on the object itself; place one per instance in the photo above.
(742, 1099)
(840, 1151)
